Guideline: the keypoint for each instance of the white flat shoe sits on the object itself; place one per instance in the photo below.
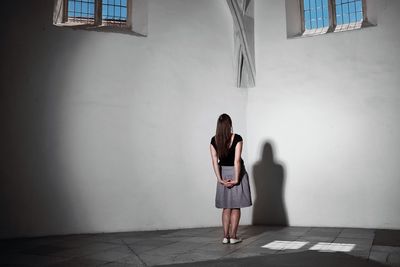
(225, 240)
(235, 241)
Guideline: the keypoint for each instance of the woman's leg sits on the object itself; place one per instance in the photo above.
(226, 217)
(235, 217)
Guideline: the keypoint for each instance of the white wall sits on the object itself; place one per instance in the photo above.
(110, 132)
(328, 109)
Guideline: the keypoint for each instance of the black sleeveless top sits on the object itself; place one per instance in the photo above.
(229, 160)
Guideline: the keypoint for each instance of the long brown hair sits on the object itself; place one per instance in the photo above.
(223, 135)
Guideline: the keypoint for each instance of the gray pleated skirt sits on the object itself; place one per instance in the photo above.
(238, 196)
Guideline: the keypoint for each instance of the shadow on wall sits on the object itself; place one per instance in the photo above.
(34, 197)
(269, 182)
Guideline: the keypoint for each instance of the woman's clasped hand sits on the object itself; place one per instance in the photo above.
(228, 183)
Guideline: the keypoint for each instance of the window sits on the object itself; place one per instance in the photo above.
(349, 14)
(97, 12)
(322, 16)
(114, 11)
(102, 15)
(316, 15)
(81, 11)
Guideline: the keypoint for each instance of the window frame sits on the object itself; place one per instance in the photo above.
(136, 21)
(98, 21)
(333, 26)
(364, 21)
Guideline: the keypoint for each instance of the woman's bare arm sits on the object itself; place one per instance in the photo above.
(214, 160)
(237, 162)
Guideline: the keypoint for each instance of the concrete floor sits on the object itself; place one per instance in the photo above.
(202, 247)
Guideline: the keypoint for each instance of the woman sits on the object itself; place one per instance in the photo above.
(233, 190)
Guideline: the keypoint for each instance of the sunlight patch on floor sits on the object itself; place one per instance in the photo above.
(281, 245)
(321, 246)
(332, 247)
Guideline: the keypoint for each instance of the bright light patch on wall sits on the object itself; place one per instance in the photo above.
(281, 245)
(333, 247)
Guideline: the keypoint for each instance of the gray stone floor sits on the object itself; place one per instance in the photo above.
(202, 247)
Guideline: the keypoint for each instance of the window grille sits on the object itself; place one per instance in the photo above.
(122, 16)
(316, 14)
(322, 16)
(81, 10)
(348, 11)
(114, 12)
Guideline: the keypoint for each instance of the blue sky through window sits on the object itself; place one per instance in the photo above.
(316, 14)
(348, 11)
(81, 9)
(114, 10)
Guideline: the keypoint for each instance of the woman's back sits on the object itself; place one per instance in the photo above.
(229, 159)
